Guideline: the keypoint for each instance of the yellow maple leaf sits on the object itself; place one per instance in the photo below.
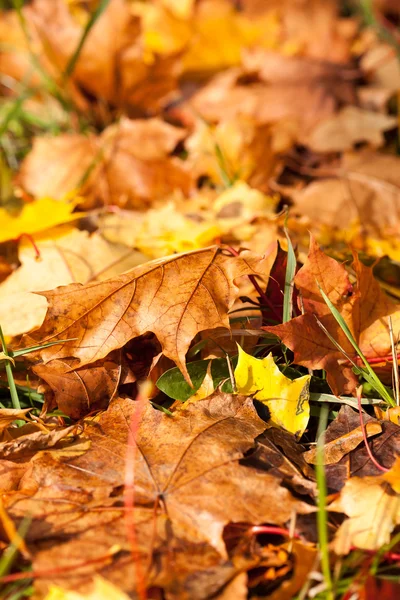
(286, 400)
(35, 217)
(102, 590)
(211, 38)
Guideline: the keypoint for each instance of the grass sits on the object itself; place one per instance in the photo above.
(322, 516)
(9, 362)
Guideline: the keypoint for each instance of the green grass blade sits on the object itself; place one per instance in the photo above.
(223, 168)
(69, 69)
(9, 555)
(289, 278)
(373, 379)
(23, 351)
(10, 377)
(322, 515)
(50, 83)
(317, 397)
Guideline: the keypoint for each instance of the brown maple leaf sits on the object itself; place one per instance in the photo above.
(175, 298)
(188, 486)
(364, 307)
(129, 164)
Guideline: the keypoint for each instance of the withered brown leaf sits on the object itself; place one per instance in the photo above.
(188, 486)
(175, 298)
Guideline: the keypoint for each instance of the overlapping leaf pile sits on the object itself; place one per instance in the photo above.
(161, 439)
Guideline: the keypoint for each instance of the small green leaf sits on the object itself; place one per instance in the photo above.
(174, 385)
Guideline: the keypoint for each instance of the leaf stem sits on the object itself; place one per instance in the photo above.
(364, 433)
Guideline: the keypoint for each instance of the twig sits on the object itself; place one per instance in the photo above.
(371, 456)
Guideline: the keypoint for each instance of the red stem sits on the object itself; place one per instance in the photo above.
(364, 433)
(55, 571)
(257, 529)
(32, 241)
(129, 494)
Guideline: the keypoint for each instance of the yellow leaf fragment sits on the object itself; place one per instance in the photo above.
(287, 400)
(160, 231)
(35, 217)
(102, 590)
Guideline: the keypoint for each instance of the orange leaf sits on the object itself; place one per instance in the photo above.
(364, 307)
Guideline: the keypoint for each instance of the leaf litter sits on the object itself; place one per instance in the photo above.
(163, 164)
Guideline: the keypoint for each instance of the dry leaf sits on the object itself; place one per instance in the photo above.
(339, 447)
(373, 509)
(365, 308)
(384, 447)
(36, 217)
(102, 590)
(177, 471)
(129, 164)
(105, 316)
(24, 444)
(349, 127)
(364, 203)
(80, 391)
(66, 256)
(160, 231)
(9, 415)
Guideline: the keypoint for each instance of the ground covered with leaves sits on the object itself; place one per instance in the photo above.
(199, 287)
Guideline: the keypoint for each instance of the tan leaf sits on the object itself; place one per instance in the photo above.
(32, 442)
(366, 191)
(67, 256)
(175, 298)
(373, 509)
(9, 415)
(349, 127)
(337, 448)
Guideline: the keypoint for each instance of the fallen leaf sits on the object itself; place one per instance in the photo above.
(236, 589)
(110, 65)
(384, 447)
(279, 453)
(236, 149)
(102, 590)
(373, 511)
(106, 315)
(286, 399)
(32, 442)
(9, 415)
(365, 308)
(305, 556)
(160, 231)
(66, 256)
(36, 217)
(80, 391)
(129, 164)
(336, 449)
(350, 126)
(176, 471)
(364, 203)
